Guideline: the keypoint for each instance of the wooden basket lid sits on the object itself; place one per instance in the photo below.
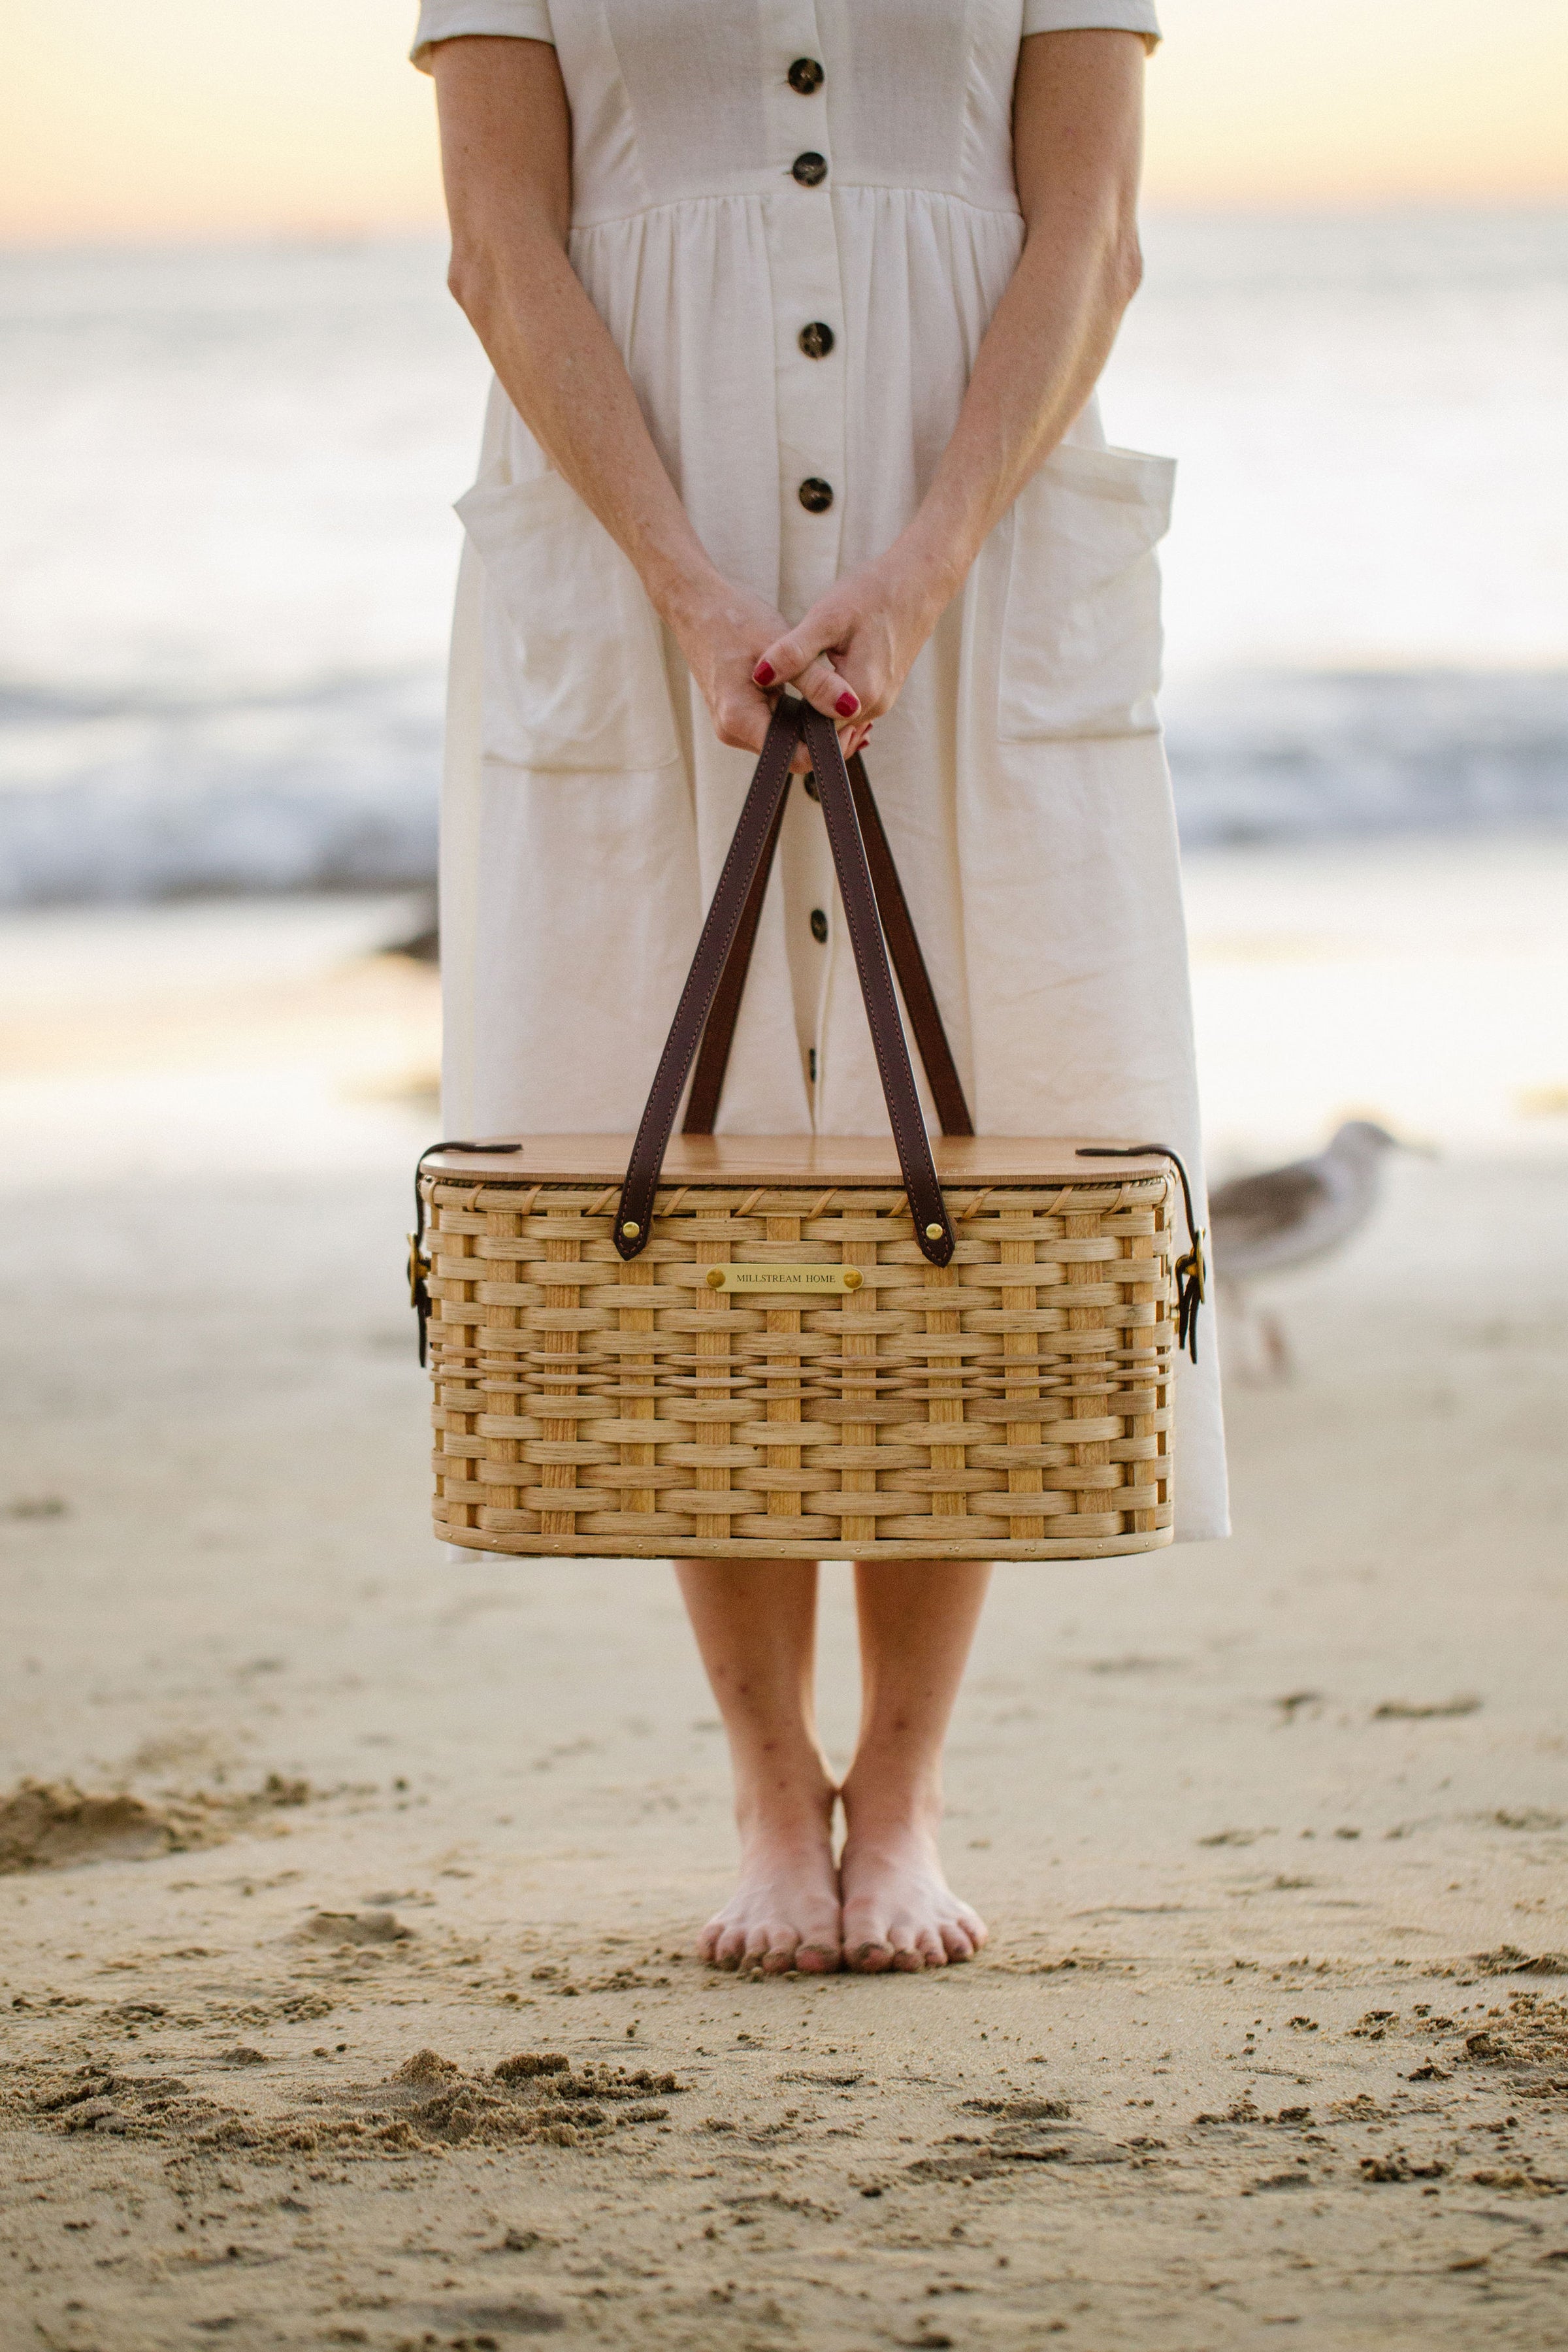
(734, 1159)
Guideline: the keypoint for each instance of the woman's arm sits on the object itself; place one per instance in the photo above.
(506, 156)
(1077, 138)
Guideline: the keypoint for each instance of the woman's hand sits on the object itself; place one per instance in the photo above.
(721, 630)
(865, 631)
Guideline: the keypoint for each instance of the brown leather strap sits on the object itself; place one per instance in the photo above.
(741, 885)
(909, 963)
(904, 947)
(714, 1055)
(933, 1226)
(757, 827)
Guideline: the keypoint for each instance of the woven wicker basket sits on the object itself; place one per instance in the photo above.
(1013, 1404)
(738, 1346)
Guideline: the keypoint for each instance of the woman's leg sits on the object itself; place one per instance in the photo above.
(917, 1621)
(755, 1622)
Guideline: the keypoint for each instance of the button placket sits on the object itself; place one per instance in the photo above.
(803, 257)
(806, 288)
(810, 887)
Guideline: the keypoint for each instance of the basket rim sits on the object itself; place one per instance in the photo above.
(788, 1159)
(1065, 1548)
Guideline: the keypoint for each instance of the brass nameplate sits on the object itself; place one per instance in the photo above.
(784, 1277)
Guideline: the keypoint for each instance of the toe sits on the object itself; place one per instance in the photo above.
(730, 1944)
(774, 1949)
(932, 1951)
(905, 1936)
(956, 1943)
(871, 1960)
(817, 1960)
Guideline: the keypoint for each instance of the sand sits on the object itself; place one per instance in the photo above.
(333, 1870)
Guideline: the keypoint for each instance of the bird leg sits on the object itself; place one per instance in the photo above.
(1276, 1356)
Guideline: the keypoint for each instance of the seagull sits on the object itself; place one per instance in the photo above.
(1285, 1217)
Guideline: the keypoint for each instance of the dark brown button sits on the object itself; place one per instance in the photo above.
(805, 75)
(816, 496)
(809, 169)
(819, 926)
(809, 781)
(816, 340)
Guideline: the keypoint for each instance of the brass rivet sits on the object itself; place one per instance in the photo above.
(935, 1233)
(853, 1277)
(715, 1277)
(631, 1229)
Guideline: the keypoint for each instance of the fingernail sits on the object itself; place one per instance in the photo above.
(847, 705)
(764, 674)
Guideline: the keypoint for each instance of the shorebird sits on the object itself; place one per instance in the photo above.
(1285, 1217)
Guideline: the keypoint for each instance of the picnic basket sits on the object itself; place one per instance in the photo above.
(813, 1346)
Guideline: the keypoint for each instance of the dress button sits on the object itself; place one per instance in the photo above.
(819, 926)
(816, 338)
(805, 75)
(809, 781)
(810, 168)
(816, 496)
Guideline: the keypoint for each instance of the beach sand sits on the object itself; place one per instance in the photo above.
(307, 1830)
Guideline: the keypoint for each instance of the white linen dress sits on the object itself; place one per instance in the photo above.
(747, 173)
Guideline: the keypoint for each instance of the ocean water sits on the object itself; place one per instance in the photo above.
(227, 549)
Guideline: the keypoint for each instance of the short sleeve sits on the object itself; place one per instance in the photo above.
(1093, 16)
(448, 20)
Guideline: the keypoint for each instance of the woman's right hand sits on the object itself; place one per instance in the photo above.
(722, 630)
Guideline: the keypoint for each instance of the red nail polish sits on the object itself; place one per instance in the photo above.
(847, 705)
(764, 674)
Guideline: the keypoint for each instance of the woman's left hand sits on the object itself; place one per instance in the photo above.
(871, 625)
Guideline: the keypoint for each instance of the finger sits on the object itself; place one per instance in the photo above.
(828, 691)
(792, 662)
(742, 720)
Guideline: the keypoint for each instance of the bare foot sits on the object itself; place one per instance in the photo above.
(784, 1912)
(898, 1909)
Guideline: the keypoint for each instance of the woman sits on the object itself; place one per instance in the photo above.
(796, 312)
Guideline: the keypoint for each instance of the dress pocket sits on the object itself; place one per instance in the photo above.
(1080, 632)
(574, 662)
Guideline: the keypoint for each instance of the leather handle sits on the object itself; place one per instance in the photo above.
(933, 1226)
(909, 963)
(759, 817)
(713, 1053)
(736, 902)
(908, 967)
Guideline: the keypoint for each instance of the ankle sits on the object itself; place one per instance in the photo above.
(883, 1799)
(792, 1809)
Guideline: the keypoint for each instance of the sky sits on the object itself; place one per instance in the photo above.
(126, 120)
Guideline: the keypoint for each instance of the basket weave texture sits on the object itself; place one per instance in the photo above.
(1015, 1404)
